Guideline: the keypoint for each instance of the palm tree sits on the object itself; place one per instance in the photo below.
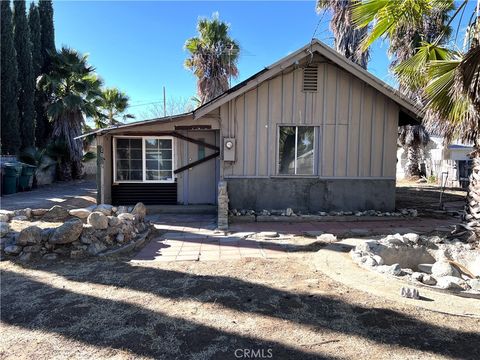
(347, 37)
(213, 57)
(112, 106)
(448, 79)
(413, 138)
(74, 91)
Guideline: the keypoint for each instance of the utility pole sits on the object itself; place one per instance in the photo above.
(164, 103)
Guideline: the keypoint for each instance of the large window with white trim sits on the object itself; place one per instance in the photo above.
(143, 159)
(296, 150)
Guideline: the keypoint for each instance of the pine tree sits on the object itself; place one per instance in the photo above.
(9, 90)
(47, 46)
(41, 125)
(26, 81)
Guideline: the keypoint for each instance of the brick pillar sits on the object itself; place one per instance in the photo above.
(222, 206)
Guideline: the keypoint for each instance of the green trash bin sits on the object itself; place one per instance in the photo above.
(26, 176)
(9, 179)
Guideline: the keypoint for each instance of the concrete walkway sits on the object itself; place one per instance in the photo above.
(192, 237)
(72, 194)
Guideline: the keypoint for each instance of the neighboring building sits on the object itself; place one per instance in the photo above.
(312, 132)
(446, 165)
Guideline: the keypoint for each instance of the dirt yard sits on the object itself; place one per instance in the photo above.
(280, 309)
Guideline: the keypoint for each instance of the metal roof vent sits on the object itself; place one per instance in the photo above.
(310, 78)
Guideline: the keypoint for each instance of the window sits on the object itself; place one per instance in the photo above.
(143, 159)
(295, 150)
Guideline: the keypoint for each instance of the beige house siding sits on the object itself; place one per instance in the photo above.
(356, 125)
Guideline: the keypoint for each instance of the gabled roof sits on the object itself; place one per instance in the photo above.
(408, 109)
(315, 46)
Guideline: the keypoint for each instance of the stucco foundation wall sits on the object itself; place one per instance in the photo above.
(312, 194)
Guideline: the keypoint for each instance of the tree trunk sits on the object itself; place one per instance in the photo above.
(413, 166)
(472, 208)
(64, 171)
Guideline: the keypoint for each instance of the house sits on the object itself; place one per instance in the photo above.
(448, 165)
(311, 132)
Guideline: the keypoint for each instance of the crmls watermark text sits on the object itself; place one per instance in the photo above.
(253, 353)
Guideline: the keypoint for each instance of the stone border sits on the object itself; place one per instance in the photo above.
(308, 218)
(335, 262)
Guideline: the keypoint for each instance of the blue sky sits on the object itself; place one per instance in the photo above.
(138, 46)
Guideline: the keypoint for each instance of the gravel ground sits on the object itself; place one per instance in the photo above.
(280, 309)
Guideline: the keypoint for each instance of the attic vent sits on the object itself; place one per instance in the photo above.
(310, 77)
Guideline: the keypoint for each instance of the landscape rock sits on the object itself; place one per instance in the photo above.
(410, 293)
(98, 220)
(289, 212)
(444, 268)
(105, 209)
(114, 221)
(56, 214)
(412, 237)
(32, 248)
(29, 235)
(25, 256)
(4, 229)
(268, 234)
(369, 261)
(126, 217)
(39, 212)
(378, 259)
(329, 238)
(474, 284)
(122, 209)
(47, 234)
(394, 269)
(77, 254)
(140, 211)
(120, 238)
(426, 268)
(95, 248)
(50, 256)
(27, 212)
(67, 233)
(4, 218)
(12, 250)
(19, 218)
(452, 283)
(8, 213)
(418, 276)
(428, 280)
(80, 213)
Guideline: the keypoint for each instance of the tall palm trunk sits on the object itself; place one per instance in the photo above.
(413, 161)
(472, 208)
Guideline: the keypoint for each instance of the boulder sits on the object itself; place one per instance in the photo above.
(4, 229)
(19, 218)
(122, 209)
(412, 237)
(289, 212)
(96, 248)
(4, 218)
(8, 213)
(105, 209)
(47, 234)
(114, 221)
(67, 233)
(394, 269)
(426, 268)
(394, 240)
(428, 280)
(378, 259)
(313, 233)
(13, 250)
(452, 283)
(56, 214)
(50, 256)
(474, 284)
(140, 211)
(39, 212)
(444, 268)
(25, 256)
(368, 261)
(98, 220)
(80, 213)
(29, 235)
(32, 248)
(126, 217)
(418, 276)
(330, 238)
(27, 212)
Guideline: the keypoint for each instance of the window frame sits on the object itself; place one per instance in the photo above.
(144, 159)
(296, 150)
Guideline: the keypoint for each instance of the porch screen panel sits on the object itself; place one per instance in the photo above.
(128, 159)
(158, 159)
